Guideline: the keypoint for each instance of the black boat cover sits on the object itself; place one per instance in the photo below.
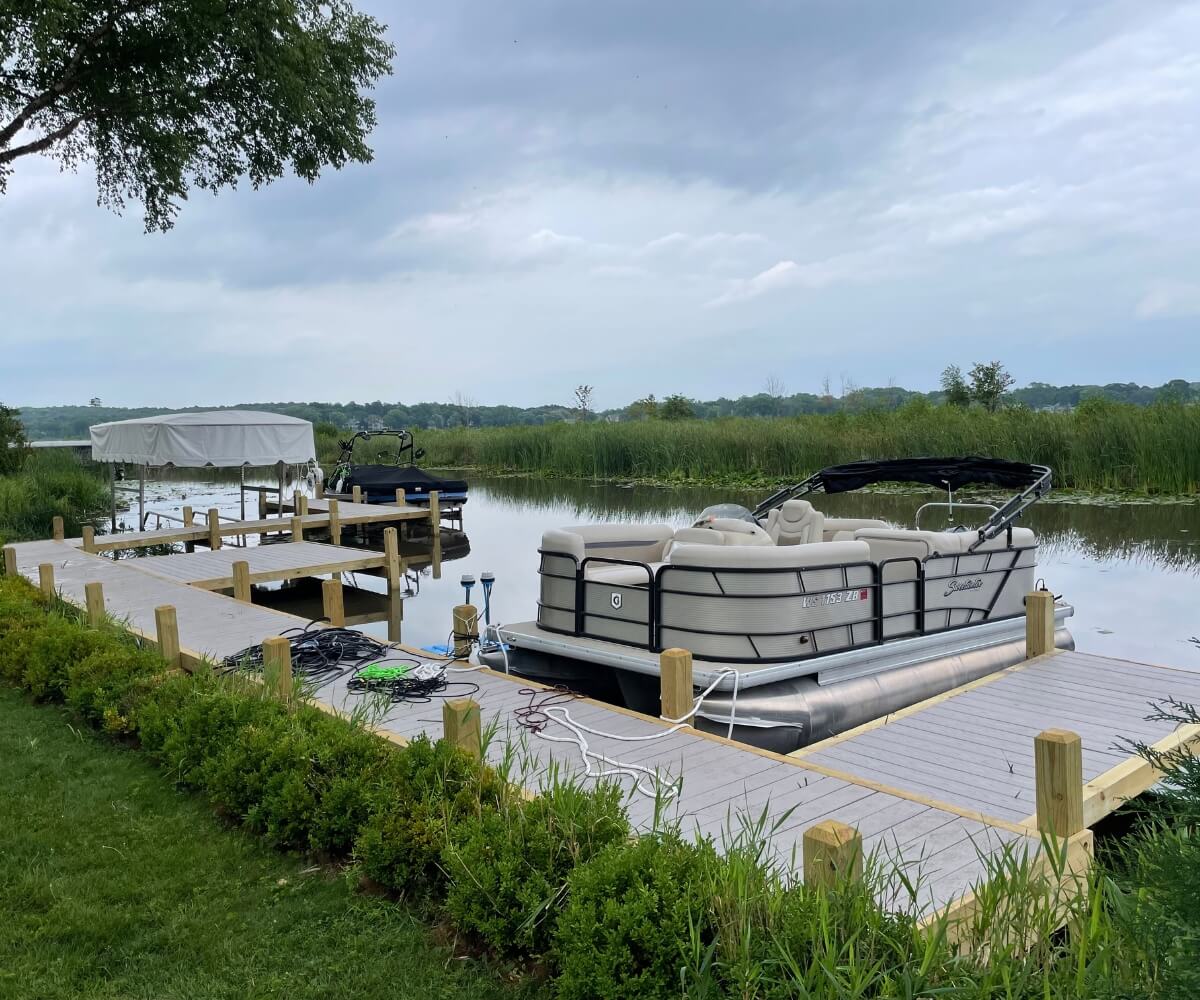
(389, 478)
(945, 473)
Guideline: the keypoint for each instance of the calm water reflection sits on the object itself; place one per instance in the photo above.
(1132, 571)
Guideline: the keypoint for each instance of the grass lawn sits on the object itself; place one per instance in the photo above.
(112, 884)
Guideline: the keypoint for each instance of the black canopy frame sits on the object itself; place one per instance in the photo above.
(1031, 481)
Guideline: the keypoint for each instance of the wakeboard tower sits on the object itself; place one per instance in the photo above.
(379, 481)
(807, 625)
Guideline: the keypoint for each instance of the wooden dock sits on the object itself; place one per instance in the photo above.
(939, 789)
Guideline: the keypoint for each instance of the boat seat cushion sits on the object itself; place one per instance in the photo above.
(729, 531)
(796, 522)
(834, 526)
(782, 556)
(621, 576)
(637, 542)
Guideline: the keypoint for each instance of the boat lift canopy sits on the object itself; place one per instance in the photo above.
(220, 439)
(1031, 481)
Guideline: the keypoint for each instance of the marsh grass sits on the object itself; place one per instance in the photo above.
(1101, 447)
(49, 484)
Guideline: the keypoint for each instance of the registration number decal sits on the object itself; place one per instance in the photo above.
(836, 597)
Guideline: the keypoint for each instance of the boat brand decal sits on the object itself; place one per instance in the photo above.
(957, 585)
(837, 597)
(616, 601)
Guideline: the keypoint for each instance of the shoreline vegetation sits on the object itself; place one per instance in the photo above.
(557, 885)
(1105, 450)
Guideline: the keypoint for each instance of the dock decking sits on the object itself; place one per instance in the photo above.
(939, 788)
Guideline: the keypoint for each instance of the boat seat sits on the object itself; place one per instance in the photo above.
(907, 543)
(837, 529)
(772, 556)
(796, 522)
(621, 576)
(728, 531)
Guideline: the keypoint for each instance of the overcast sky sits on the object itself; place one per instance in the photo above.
(663, 197)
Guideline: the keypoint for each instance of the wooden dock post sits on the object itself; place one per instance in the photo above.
(832, 852)
(356, 494)
(241, 581)
(46, 578)
(10, 560)
(277, 667)
(88, 534)
(1058, 782)
(391, 558)
(166, 623)
(435, 533)
(93, 595)
(395, 613)
(297, 528)
(57, 532)
(214, 529)
(319, 488)
(1039, 623)
(675, 682)
(460, 724)
(189, 521)
(262, 503)
(333, 605)
(465, 625)
(400, 497)
(302, 505)
(295, 501)
(335, 524)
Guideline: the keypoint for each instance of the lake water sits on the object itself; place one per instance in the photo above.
(1132, 571)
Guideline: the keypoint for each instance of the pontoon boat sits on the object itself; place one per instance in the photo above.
(380, 481)
(809, 625)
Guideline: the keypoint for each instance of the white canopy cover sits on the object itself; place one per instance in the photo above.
(219, 438)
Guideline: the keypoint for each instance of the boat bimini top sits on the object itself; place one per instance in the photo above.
(1031, 481)
(786, 584)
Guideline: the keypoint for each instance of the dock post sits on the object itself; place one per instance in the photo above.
(58, 533)
(333, 605)
(1039, 623)
(460, 724)
(319, 489)
(189, 521)
(89, 538)
(295, 501)
(93, 595)
(356, 494)
(466, 629)
(401, 501)
(46, 579)
(297, 528)
(435, 532)
(1058, 782)
(675, 683)
(832, 853)
(335, 524)
(391, 558)
(277, 667)
(214, 529)
(10, 560)
(302, 505)
(241, 581)
(262, 504)
(166, 624)
(395, 615)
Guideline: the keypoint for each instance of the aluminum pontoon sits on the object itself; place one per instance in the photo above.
(807, 625)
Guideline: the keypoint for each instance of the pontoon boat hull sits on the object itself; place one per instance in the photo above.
(785, 714)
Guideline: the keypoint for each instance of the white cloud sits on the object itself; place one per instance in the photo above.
(1169, 299)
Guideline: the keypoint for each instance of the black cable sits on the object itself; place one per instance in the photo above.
(534, 716)
(318, 654)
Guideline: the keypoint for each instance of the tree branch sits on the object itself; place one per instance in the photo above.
(63, 85)
(45, 142)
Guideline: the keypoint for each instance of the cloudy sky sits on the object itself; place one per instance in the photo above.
(664, 197)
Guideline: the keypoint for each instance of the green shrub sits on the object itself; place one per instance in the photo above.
(107, 686)
(628, 918)
(508, 867)
(431, 787)
(53, 649)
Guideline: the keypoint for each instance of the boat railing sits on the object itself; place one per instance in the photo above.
(632, 608)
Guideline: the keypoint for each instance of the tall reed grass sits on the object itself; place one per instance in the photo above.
(50, 484)
(1104, 447)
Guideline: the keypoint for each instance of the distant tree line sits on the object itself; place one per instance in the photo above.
(986, 385)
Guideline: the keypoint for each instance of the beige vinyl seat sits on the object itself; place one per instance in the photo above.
(796, 522)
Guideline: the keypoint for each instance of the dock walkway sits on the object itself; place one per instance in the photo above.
(940, 788)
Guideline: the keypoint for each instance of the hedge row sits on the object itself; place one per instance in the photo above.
(559, 878)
